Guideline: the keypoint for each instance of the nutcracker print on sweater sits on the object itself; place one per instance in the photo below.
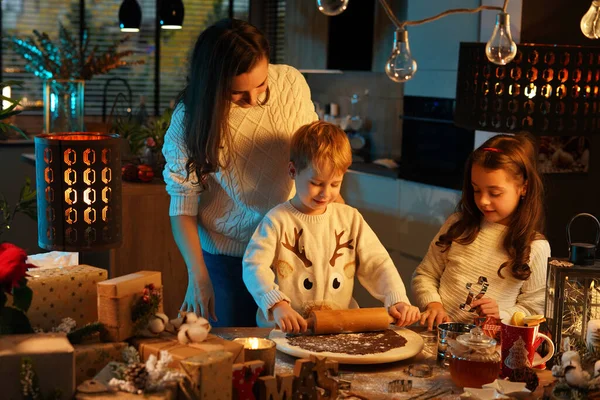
(311, 261)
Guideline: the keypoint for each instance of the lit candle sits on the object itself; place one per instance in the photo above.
(259, 349)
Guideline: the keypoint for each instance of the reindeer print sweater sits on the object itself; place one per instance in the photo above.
(311, 260)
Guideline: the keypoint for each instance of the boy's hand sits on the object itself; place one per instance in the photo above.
(288, 319)
(434, 315)
(486, 307)
(404, 313)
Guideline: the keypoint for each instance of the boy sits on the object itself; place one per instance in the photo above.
(305, 252)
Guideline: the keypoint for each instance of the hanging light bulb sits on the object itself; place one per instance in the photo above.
(589, 23)
(501, 49)
(400, 67)
(332, 7)
(171, 14)
(130, 16)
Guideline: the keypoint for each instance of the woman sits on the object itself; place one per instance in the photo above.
(226, 151)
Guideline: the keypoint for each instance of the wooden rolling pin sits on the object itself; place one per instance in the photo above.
(349, 321)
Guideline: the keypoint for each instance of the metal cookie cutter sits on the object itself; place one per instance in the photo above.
(400, 385)
(420, 370)
(471, 296)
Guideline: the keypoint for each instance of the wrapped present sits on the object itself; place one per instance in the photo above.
(52, 359)
(208, 376)
(167, 341)
(117, 297)
(64, 292)
(90, 358)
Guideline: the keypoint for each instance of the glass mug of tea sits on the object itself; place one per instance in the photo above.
(474, 360)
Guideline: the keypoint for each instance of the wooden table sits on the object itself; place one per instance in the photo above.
(370, 381)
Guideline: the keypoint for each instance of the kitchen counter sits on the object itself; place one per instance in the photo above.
(370, 381)
(433, 178)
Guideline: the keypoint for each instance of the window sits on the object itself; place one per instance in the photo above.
(20, 17)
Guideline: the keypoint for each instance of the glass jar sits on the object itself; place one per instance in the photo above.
(474, 360)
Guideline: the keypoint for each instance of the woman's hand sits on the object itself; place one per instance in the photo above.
(200, 296)
(434, 315)
(486, 307)
(288, 319)
(404, 313)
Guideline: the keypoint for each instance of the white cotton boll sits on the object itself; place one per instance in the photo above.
(182, 336)
(204, 323)
(576, 376)
(190, 318)
(156, 325)
(162, 317)
(569, 357)
(597, 368)
(197, 333)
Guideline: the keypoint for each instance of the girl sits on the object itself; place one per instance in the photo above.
(495, 233)
(226, 154)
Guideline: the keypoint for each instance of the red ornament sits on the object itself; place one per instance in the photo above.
(145, 173)
(129, 172)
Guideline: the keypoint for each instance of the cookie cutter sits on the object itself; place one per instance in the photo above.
(471, 296)
(420, 370)
(400, 385)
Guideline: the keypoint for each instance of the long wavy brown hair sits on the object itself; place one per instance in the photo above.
(223, 51)
(517, 156)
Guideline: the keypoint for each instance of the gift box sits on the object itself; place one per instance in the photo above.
(91, 358)
(64, 292)
(168, 342)
(116, 298)
(52, 358)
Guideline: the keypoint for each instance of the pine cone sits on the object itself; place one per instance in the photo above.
(526, 375)
(136, 374)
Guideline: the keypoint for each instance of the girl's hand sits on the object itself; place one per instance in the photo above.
(200, 296)
(288, 319)
(486, 307)
(434, 315)
(404, 314)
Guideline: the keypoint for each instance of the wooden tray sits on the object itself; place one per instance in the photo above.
(414, 345)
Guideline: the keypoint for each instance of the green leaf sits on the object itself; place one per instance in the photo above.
(14, 321)
(22, 296)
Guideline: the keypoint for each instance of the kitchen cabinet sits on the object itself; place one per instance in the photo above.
(404, 215)
(307, 36)
(434, 45)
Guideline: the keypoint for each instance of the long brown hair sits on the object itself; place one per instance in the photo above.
(223, 51)
(516, 155)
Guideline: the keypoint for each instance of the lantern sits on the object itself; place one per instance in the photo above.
(572, 301)
(78, 180)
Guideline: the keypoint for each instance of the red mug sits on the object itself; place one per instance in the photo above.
(519, 344)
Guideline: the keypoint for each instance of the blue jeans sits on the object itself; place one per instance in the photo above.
(234, 305)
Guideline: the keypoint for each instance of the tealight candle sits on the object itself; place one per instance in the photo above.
(259, 349)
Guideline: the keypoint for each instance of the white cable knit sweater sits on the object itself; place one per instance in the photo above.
(311, 260)
(256, 180)
(442, 277)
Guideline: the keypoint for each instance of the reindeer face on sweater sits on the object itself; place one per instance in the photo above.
(321, 274)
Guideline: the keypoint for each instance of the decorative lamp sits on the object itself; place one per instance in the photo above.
(546, 90)
(78, 178)
(171, 14)
(130, 16)
(573, 303)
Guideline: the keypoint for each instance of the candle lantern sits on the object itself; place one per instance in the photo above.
(78, 181)
(572, 301)
(259, 349)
